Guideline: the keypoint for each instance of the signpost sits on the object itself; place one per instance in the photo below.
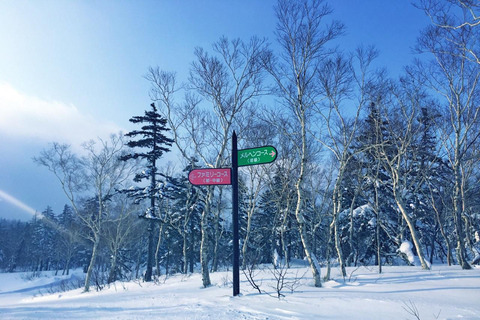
(215, 176)
(235, 223)
(248, 157)
(227, 176)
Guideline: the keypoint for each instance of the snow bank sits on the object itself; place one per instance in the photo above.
(407, 248)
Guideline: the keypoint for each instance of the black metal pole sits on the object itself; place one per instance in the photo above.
(236, 248)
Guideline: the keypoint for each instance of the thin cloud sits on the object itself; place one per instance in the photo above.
(27, 117)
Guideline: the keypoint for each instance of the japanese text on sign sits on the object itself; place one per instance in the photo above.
(256, 155)
(210, 176)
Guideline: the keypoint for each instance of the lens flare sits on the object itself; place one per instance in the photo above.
(10, 199)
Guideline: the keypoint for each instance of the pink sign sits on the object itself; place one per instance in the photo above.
(216, 176)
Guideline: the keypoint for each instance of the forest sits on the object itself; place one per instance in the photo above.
(366, 162)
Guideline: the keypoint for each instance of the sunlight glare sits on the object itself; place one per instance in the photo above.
(10, 199)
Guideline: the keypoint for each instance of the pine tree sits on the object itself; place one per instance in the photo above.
(49, 237)
(68, 237)
(151, 137)
(373, 139)
(433, 172)
(274, 232)
(188, 203)
(67, 217)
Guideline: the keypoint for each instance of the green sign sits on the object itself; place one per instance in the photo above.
(249, 157)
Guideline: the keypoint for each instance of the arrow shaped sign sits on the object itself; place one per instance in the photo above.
(249, 157)
(213, 176)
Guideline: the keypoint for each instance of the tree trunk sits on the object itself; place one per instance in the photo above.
(457, 217)
(338, 246)
(328, 253)
(112, 276)
(150, 253)
(204, 244)
(204, 253)
(442, 230)
(432, 244)
(151, 227)
(247, 235)
(337, 207)
(184, 253)
(192, 245)
(379, 245)
(283, 238)
(413, 232)
(353, 249)
(378, 228)
(312, 260)
(66, 270)
(157, 249)
(137, 268)
(218, 234)
(351, 243)
(92, 262)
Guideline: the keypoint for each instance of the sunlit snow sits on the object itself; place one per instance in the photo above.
(441, 293)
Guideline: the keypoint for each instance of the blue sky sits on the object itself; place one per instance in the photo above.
(73, 70)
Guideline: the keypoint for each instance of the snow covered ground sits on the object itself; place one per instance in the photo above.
(441, 293)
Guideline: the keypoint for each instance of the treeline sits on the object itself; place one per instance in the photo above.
(365, 162)
(59, 242)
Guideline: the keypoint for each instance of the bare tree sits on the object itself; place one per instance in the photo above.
(98, 174)
(341, 81)
(319, 183)
(282, 180)
(254, 185)
(455, 81)
(303, 37)
(221, 88)
(452, 15)
(118, 232)
(187, 204)
(436, 196)
(260, 133)
(69, 235)
(399, 154)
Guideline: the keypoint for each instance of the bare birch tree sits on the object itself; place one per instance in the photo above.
(221, 87)
(98, 174)
(260, 133)
(399, 154)
(455, 80)
(303, 36)
(452, 15)
(118, 232)
(344, 84)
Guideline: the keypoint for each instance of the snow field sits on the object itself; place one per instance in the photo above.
(441, 293)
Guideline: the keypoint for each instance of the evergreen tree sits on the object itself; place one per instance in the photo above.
(49, 237)
(152, 140)
(188, 204)
(352, 197)
(67, 217)
(274, 223)
(373, 138)
(434, 173)
(15, 240)
(35, 243)
(68, 238)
